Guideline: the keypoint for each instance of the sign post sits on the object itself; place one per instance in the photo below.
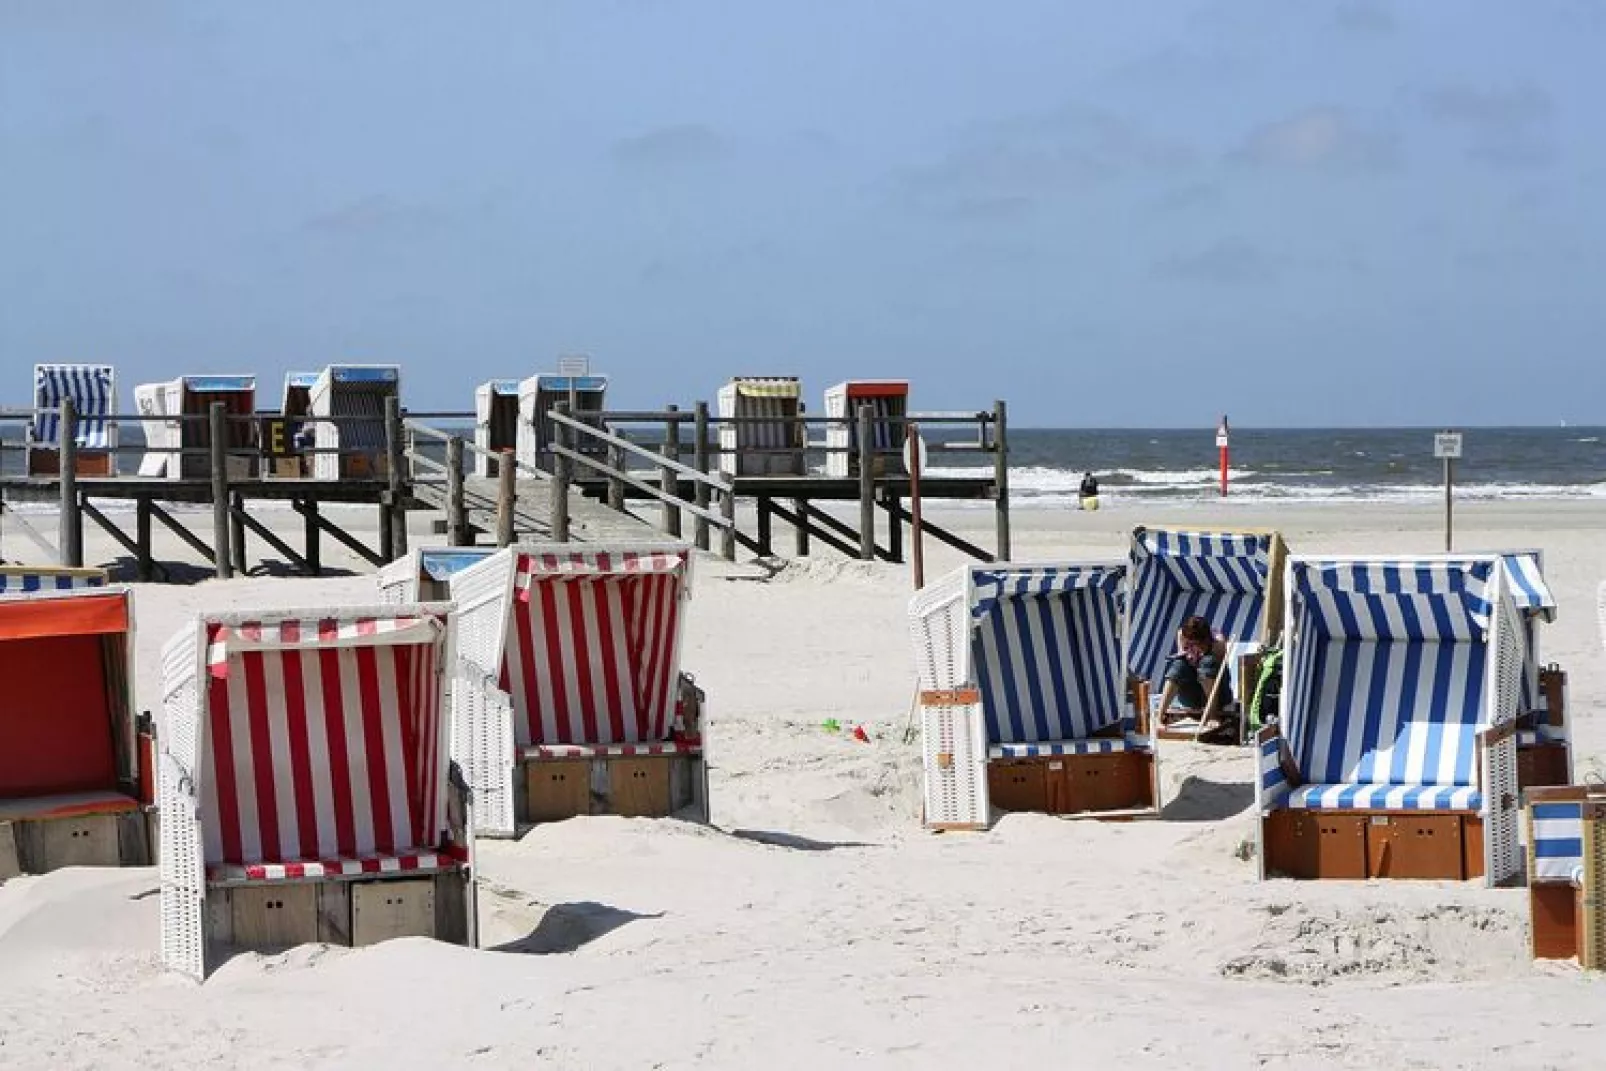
(914, 461)
(1447, 446)
(1221, 445)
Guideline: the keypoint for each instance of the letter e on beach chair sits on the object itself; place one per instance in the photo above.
(1026, 668)
(1395, 755)
(305, 786)
(580, 706)
(75, 763)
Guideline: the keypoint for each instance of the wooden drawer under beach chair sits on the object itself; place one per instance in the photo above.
(1356, 845)
(268, 916)
(630, 781)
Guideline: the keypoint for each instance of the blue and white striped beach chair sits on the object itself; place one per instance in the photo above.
(28, 579)
(1567, 873)
(93, 391)
(1036, 649)
(1395, 755)
(1233, 579)
(1544, 752)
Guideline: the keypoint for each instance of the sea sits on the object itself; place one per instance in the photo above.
(1336, 465)
(1295, 465)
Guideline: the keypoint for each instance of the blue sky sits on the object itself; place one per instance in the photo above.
(1110, 214)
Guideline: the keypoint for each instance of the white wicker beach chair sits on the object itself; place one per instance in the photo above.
(306, 792)
(75, 764)
(579, 706)
(1023, 690)
(888, 400)
(352, 391)
(766, 441)
(424, 574)
(1395, 755)
(192, 396)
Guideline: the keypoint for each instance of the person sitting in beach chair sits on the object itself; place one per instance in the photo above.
(1194, 675)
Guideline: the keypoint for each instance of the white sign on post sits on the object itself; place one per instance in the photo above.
(574, 365)
(1447, 445)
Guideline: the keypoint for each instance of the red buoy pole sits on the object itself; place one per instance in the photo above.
(1221, 445)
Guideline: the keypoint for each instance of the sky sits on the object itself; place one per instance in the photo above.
(1300, 214)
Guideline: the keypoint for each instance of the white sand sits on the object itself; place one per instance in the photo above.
(816, 924)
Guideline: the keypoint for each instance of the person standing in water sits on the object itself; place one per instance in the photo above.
(1089, 494)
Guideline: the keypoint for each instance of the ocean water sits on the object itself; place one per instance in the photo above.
(1298, 465)
(1267, 464)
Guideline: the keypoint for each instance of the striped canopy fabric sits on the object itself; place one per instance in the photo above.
(1533, 599)
(592, 653)
(322, 740)
(771, 387)
(775, 400)
(1219, 576)
(1387, 672)
(886, 435)
(1558, 841)
(20, 580)
(93, 392)
(1046, 650)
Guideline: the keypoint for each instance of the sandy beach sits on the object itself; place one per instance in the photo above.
(814, 924)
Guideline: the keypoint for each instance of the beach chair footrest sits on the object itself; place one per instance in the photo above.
(628, 780)
(1120, 780)
(1360, 844)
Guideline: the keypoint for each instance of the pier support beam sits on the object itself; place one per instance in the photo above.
(866, 484)
(222, 561)
(801, 526)
(1001, 477)
(71, 525)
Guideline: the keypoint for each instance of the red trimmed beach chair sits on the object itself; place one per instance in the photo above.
(305, 785)
(75, 762)
(424, 574)
(580, 707)
(1395, 753)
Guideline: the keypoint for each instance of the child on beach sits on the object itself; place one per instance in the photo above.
(1190, 673)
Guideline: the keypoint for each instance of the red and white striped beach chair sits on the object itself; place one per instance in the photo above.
(581, 707)
(305, 785)
(74, 766)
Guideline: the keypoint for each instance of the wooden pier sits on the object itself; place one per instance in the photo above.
(609, 477)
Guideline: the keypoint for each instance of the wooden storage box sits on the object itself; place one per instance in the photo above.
(637, 786)
(1355, 845)
(1542, 765)
(46, 844)
(1072, 784)
(44, 461)
(278, 915)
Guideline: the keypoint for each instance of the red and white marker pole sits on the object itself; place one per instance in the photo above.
(1221, 445)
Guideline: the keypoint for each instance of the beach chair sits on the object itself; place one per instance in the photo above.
(93, 390)
(580, 705)
(1395, 753)
(889, 402)
(1020, 672)
(192, 397)
(1544, 740)
(496, 423)
(75, 760)
(1233, 579)
(1567, 873)
(356, 445)
(758, 435)
(539, 395)
(295, 406)
(305, 788)
(424, 574)
(28, 579)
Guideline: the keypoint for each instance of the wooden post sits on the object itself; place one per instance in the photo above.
(507, 491)
(800, 506)
(616, 485)
(866, 484)
(237, 531)
(727, 534)
(143, 568)
(700, 457)
(217, 425)
(396, 475)
(314, 550)
(669, 483)
(1001, 476)
(71, 525)
(456, 522)
(562, 475)
(764, 521)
